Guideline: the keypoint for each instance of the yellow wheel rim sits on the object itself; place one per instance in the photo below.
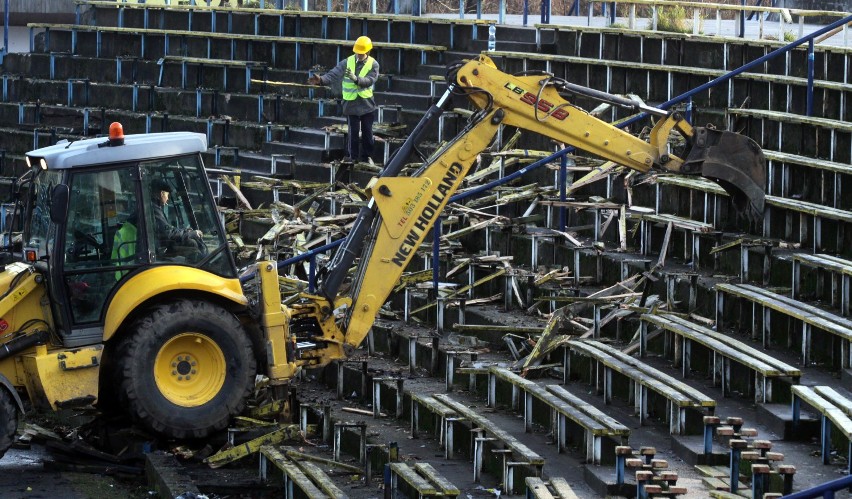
(190, 370)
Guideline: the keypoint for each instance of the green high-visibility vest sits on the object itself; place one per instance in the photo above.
(351, 91)
(124, 247)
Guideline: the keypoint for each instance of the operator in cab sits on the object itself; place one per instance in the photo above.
(166, 232)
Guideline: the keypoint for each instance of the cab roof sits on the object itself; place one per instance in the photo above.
(87, 152)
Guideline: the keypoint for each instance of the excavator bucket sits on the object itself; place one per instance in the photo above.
(733, 161)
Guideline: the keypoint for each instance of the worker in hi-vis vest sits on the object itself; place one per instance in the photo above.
(359, 73)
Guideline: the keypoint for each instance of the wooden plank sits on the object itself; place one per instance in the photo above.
(432, 404)
(445, 486)
(419, 483)
(840, 126)
(292, 471)
(225, 9)
(521, 450)
(571, 412)
(671, 388)
(841, 422)
(611, 423)
(785, 304)
(730, 347)
(229, 36)
(807, 161)
(676, 397)
(827, 262)
(319, 477)
(221, 458)
(812, 209)
(562, 489)
(537, 489)
(830, 394)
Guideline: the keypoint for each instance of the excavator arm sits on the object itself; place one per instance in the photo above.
(534, 103)
(394, 223)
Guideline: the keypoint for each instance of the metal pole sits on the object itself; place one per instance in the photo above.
(810, 108)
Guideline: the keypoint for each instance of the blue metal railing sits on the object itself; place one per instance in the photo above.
(825, 490)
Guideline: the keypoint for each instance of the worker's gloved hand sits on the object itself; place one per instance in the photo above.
(314, 80)
(351, 75)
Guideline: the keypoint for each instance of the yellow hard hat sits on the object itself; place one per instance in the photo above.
(363, 45)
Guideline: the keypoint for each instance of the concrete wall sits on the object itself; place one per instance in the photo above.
(34, 11)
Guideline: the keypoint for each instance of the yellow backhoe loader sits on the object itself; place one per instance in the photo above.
(126, 293)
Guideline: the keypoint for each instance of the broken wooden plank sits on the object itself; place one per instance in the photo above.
(221, 458)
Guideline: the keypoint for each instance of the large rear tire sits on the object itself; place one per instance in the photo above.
(186, 369)
(8, 420)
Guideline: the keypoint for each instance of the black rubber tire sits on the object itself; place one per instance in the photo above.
(150, 335)
(8, 420)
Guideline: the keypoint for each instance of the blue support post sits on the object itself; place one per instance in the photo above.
(85, 122)
(20, 113)
(620, 461)
(825, 439)
(758, 483)
(501, 15)
(735, 469)
(545, 11)
(148, 123)
(198, 102)
(526, 11)
(612, 10)
(710, 425)
(5, 88)
(810, 105)
(135, 96)
(145, 18)
(209, 130)
(742, 19)
(259, 107)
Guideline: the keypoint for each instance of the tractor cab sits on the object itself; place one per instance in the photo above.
(103, 211)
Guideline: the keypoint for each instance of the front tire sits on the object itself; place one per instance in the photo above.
(186, 369)
(8, 420)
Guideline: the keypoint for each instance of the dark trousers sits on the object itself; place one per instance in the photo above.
(361, 126)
